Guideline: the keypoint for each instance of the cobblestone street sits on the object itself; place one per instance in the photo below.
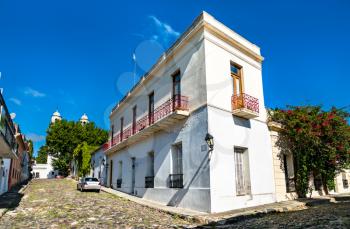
(57, 204)
(322, 216)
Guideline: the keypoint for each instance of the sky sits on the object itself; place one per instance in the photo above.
(76, 55)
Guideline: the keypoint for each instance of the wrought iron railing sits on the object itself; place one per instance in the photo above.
(178, 102)
(245, 101)
(149, 182)
(119, 183)
(290, 183)
(176, 181)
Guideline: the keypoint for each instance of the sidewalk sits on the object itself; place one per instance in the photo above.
(202, 217)
(187, 214)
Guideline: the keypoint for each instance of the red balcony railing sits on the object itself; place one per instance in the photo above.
(245, 101)
(178, 102)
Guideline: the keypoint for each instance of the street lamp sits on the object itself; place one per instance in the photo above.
(210, 141)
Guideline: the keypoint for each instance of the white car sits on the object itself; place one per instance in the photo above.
(89, 183)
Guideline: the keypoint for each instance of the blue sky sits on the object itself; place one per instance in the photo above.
(77, 55)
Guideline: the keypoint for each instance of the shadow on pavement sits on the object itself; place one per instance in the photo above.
(11, 199)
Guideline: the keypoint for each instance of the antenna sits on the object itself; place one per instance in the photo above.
(134, 59)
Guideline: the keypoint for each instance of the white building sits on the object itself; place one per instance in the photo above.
(209, 81)
(44, 171)
(98, 165)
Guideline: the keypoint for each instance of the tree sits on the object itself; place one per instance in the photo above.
(319, 141)
(63, 137)
(82, 154)
(42, 155)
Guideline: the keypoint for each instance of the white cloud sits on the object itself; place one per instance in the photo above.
(33, 92)
(164, 32)
(35, 137)
(16, 101)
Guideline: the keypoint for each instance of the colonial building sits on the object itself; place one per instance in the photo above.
(192, 133)
(13, 151)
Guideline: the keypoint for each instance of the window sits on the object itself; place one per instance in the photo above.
(236, 74)
(176, 178)
(289, 172)
(120, 174)
(242, 171)
(151, 108)
(91, 179)
(134, 119)
(150, 164)
(120, 170)
(177, 159)
(121, 128)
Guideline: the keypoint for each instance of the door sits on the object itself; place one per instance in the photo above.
(133, 175)
(236, 74)
(111, 175)
(176, 90)
(151, 108)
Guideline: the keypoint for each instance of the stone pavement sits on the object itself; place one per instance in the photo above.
(10, 200)
(57, 204)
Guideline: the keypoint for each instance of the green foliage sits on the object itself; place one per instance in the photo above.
(42, 155)
(319, 140)
(82, 154)
(63, 137)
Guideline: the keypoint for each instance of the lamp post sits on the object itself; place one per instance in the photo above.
(210, 141)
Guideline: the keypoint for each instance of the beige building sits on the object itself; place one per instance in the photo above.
(284, 171)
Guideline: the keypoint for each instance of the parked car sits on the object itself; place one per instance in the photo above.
(89, 183)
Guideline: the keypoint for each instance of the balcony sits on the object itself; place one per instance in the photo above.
(8, 144)
(245, 106)
(167, 114)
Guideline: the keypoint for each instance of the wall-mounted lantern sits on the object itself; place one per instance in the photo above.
(210, 141)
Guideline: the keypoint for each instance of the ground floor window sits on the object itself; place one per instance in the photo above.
(242, 171)
(176, 178)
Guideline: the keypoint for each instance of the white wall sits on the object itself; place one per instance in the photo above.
(4, 175)
(190, 62)
(99, 167)
(230, 131)
(45, 171)
(190, 133)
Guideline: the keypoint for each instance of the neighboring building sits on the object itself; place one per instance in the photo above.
(44, 171)
(8, 146)
(284, 171)
(209, 83)
(98, 165)
(23, 163)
